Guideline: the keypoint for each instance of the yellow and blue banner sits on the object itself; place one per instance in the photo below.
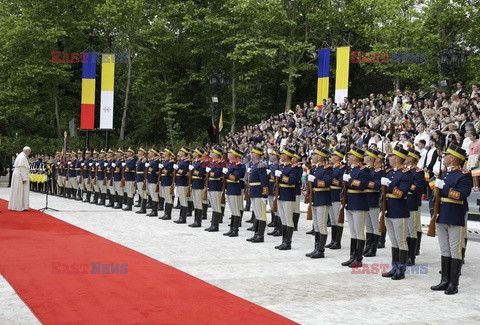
(106, 95)
(220, 123)
(323, 76)
(341, 76)
(476, 171)
(87, 109)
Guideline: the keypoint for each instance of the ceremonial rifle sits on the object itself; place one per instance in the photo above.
(438, 194)
(341, 215)
(310, 194)
(381, 224)
(174, 179)
(122, 182)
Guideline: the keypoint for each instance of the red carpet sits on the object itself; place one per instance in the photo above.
(36, 248)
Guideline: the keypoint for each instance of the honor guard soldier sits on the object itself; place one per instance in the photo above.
(79, 167)
(109, 175)
(152, 170)
(61, 171)
(455, 187)
(258, 192)
(86, 173)
(414, 202)
(129, 178)
(72, 175)
(234, 175)
(93, 177)
(117, 178)
(357, 178)
(100, 167)
(298, 190)
(140, 175)
(197, 169)
(338, 169)
(272, 167)
(166, 181)
(215, 185)
(288, 176)
(373, 197)
(321, 178)
(398, 181)
(181, 182)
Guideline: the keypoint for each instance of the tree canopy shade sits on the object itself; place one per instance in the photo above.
(266, 48)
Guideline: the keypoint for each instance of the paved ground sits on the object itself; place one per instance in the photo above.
(304, 290)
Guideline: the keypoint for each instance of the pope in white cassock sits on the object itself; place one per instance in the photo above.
(19, 195)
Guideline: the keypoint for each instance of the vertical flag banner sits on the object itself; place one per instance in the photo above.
(323, 74)
(87, 110)
(220, 123)
(106, 95)
(341, 77)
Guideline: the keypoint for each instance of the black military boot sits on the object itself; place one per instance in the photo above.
(235, 226)
(412, 247)
(455, 267)
(79, 195)
(296, 217)
(128, 205)
(445, 279)
(149, 202)
(278, 231)
(231, 227)
(119, 202)
(190, 208)
(87, 197)
(381, 242)
(178, 204)
(284, 235)
(197, 222)
(338, 238)
(254, 226)
(311, 232)
(102, 199)
(167, 212)
(143, 207)
(315, 245)
(139, 202)
(320, 251)
(161, 203)
(358, 254)
(95, 198)
(367, 243)
(252, 218)
(373, 247)
(204, 211)
(288, 240)
(247, 206)
(215, 220)
(419, 240)
(353, 247)
(334, 231)
(260, 232)
(154, 212)
(395, 260)
(402, 265)
(110, 197)
(222, 214)
(183, 215)
(272, 223)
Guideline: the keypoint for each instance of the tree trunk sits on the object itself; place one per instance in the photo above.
(127, 90)
(57, 114)
(234, 97)
(288, 101)
(396, 83)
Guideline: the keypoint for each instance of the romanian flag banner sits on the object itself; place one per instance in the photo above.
(427, 177)
(431, 182)
(323, 76)
(341, 76)
(106, 95)
(87, 110)
(476, 171)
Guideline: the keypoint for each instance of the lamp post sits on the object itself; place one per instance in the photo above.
(218, 81)
(451, 62)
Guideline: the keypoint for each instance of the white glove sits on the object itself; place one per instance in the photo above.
(439, 183)
(346, 177)
(82, 164)
(147, 164)
(248, 170)
(268, 171)
(97, 164)
(105, 165)
(160, 166)
(175, 166)
(225, 170)
(385, 181)
(208, 169)
(311, 178)
(123, 164)
(190, 167)
(69, 162)
(90, 164)
(278, 173)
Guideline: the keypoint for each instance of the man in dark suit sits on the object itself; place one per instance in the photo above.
(10, 170)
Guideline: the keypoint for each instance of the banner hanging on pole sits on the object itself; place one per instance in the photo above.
(107, 88)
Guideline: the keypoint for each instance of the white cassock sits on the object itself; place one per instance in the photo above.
(20, 192)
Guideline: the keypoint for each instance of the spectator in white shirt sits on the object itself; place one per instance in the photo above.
(422, 135)
(423, 153)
